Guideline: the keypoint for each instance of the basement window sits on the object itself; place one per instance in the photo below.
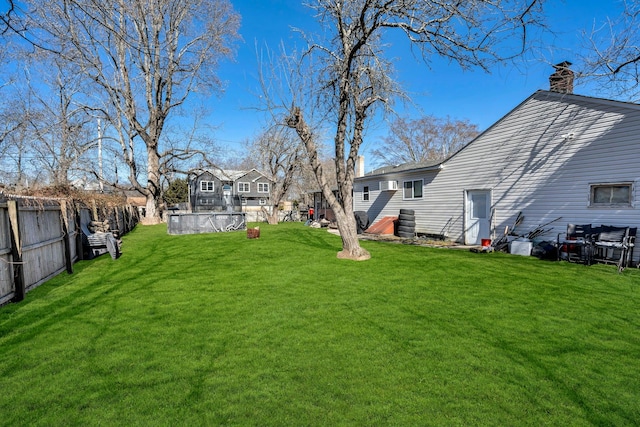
(412, 189)
(610, 195)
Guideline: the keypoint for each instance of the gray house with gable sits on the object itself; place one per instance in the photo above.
(219, 191)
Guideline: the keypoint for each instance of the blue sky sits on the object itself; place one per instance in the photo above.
(440, 89)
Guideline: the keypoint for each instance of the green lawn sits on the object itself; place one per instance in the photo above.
(217, 329)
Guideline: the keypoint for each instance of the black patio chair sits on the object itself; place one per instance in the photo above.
(576, 243)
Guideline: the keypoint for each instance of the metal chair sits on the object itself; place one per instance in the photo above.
(614, 245)
(577, 243)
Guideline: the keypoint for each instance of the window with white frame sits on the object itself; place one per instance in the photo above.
(243, 187)
(244, 200)
(206, 186)
(412, 189)
(610, 195)
(263, 187)
(263, 201)
(365, 193)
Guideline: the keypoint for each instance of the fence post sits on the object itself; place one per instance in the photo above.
(67, 238)
(78, 217)
(94, 210)
(16, 251)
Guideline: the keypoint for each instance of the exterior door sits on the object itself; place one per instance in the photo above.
(477, 216)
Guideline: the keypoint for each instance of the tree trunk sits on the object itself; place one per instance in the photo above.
(272, 217)
(344, 216)
(351, 248)
(152, 212)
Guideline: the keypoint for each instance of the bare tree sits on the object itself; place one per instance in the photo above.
(62, 129)
(10, 122)
(146, 58)
(428, 138)
(7, 16)
(306, 183)
(7, 124)
(612, 57)
(278, 153)
(15, 137)
(355, 73)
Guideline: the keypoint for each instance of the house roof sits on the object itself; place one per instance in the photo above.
(411, 166)
(566, 97)
(431, 166)
(603, 101)
(229, 175)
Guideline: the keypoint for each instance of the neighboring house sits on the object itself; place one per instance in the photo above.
(219, 191)
(556, 155)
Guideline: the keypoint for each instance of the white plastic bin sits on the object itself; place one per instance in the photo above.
(521, 247)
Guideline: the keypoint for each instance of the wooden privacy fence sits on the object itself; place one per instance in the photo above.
(40, 238)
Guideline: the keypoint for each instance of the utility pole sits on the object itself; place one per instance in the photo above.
(100, 176)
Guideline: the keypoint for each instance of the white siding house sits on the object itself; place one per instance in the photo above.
(554, 155)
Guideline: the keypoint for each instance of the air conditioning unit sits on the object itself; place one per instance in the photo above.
(388, 185)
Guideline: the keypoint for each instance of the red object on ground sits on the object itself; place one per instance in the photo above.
(383, 226)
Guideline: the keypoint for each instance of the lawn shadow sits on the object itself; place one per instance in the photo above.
(50, 312)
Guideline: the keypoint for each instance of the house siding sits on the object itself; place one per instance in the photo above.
(205, 200)
(531, 165)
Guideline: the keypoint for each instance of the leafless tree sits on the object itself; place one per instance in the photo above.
(62, 129)
(6, 124)
(7, 15)
(428, 138)
(354, 72)
(279, 154)
(14, 142)
(306, 183)
(187, 146)
(10, 122)
(239, 161)
(146, 58)
(612, 54)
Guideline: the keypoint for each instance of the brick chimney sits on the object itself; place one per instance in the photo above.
(562, 79)
(359, 167)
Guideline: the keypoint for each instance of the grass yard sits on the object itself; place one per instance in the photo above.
(217, 329)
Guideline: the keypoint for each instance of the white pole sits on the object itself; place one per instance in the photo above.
(100, 156)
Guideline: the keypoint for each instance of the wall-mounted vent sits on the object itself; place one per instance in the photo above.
(388, 185)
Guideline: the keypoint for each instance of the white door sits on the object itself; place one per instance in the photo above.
(477, 216)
